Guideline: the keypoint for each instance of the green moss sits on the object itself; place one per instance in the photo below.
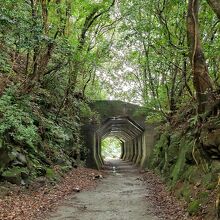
(193, 207)
(209, 180)
(186, 193)
(188, 179)
(170, 156)
(173, 151)
(51, 174)
(15, 174)
(65, 168)
(188, 173)
(215, 166)
(15, 171)
(158, 160)
(203, 196)
(179, 168)
(108, 108)
(211, 186)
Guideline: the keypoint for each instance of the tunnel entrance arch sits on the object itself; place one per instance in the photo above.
(124, 121)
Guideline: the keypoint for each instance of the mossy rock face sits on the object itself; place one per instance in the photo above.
(36, 166)
(15, 174)
(193, 207)
(173, 149)
(211, 143)
(157, 160)
(188, 171)
(4, 158)
(171, 156)
(178, 169)
(22, 158)
(210, 180)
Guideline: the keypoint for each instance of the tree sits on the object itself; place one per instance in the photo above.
(201, 80)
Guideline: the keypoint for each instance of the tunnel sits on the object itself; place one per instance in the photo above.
(123, 121)
(127, 131)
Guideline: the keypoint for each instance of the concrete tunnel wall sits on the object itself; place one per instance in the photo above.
(137, 138)
(137, 150)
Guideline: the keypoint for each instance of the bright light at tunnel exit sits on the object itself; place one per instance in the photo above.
(111, 148)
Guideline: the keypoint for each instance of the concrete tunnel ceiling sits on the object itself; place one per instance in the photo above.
(122, 127)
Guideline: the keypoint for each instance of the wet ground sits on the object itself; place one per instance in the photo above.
(120, 196)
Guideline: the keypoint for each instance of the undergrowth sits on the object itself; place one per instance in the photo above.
(34, 138)
(187, 157)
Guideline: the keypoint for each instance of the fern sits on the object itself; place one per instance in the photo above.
(16, 123)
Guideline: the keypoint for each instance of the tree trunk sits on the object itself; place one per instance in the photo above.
(215, 5)
(201, 80)
(44, 15)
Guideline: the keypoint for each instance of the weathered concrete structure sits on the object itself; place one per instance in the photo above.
(126, 122)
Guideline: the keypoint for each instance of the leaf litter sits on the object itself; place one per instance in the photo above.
(36, 202)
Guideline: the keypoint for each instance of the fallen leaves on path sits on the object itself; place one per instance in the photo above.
(32, 204)
(164, 205)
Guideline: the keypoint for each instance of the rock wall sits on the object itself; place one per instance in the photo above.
(191, 173)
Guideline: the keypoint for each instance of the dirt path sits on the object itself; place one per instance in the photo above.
(120, 196)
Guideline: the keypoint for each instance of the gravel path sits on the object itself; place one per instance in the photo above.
(120, 196)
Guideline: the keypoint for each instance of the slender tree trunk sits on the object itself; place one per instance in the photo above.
(172, 92)
(44, 15)
(201, 80)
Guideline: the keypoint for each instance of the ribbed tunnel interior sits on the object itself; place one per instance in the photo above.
(127, 131)
(124, 121)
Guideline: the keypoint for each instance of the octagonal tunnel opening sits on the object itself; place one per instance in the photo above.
(118, 137)
(111, 148)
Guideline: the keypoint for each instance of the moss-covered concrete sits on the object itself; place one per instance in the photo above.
(115, 108)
